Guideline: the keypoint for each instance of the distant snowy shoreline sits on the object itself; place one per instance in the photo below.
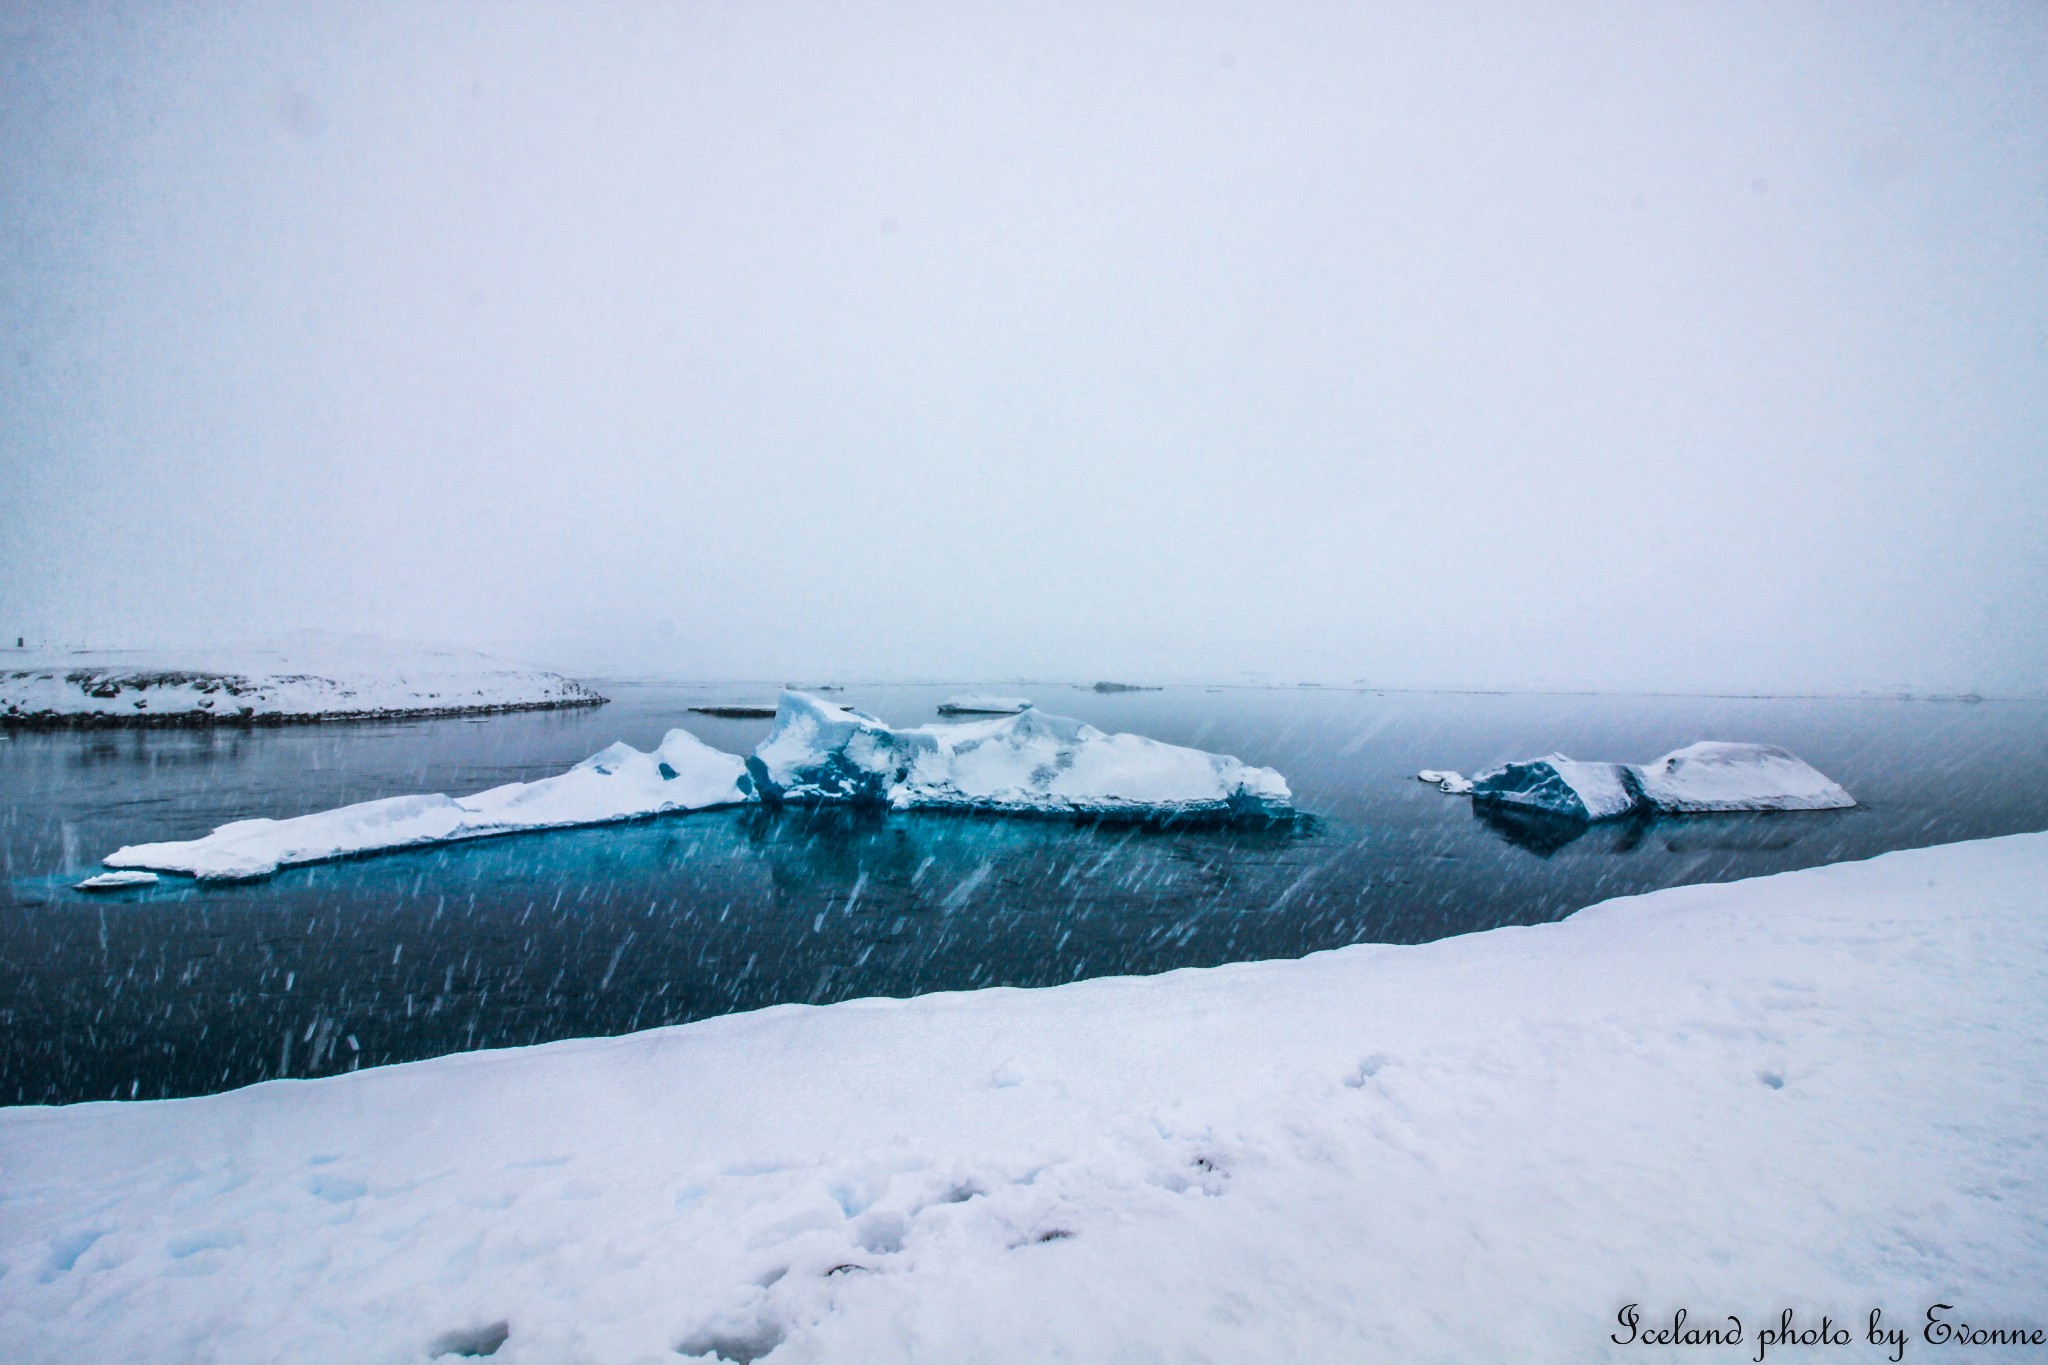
(324, 680)
(1807, 1092)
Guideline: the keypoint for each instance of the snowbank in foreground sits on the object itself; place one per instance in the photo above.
(325, 678)
(1029, 762)
(1815, 1091)
(621, 783)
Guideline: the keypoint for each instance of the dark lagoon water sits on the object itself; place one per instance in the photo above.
(184, 989)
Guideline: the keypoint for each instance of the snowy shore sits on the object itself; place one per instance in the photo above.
(1818, 1091)
(324, 678)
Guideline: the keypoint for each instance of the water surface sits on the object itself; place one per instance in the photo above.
(184, 989)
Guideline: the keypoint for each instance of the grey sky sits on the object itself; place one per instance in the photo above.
(1635, 345)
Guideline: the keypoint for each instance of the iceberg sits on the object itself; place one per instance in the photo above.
(1453, 784)
(1716, 776)
(116, 881)
(1025, 763)
(1558, 785)
(619, 783)
(1711, 775)
(979, 704)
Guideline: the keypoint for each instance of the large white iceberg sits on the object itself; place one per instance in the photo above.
(1557, 785)
(1029, 762)
(620, 783)
(1711, 776)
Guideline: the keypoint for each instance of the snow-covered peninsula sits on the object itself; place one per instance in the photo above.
(320, 678)
(1814, 1092)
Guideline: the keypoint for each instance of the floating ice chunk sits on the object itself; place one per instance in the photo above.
(978, 704)
(1712, 776)
(1028, 762)
(1456, 784)
(116, 881)
(620, 783)
(1559, 786)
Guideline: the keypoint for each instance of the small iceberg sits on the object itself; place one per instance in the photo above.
(978, 704)
(1712, 776)
(620, 783)
(1453, 784)
(1025, 763)
(1557, 785)
(116, 881)
(1709, 776)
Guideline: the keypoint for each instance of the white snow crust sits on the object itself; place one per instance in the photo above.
(1029, 762)
(1454, 784)
(1711, 776)
(982, 704)
(1816, 1091)
(620, 783)
(320, 678)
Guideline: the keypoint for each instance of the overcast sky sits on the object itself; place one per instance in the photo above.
(1663, 345)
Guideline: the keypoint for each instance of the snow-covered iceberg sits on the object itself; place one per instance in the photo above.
(1711, 775)
(314, 677)
(1558, 785)
(620, 783)
(981, 704)
(1029, 762)
(1715, 776)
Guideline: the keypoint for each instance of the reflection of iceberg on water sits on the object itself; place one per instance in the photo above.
(1027, 763)
(1703, 777)
(621, 783)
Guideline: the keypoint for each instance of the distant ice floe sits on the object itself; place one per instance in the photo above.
(116, 881)
(1028, 762)
(981, 704)
(621, 783)
(1703, 777)
(1455, 784)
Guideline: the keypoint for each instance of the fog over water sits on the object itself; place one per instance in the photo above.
(1615, 346)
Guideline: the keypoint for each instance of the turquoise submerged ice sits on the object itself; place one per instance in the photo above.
(1027, 763)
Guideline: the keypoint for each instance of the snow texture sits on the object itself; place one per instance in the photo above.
(621, 783)
(1814, 1092)
(1455, 784)
(1029, 762)
(981, 704)
(322, 678)
(1557, 785)
(1711, 776)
